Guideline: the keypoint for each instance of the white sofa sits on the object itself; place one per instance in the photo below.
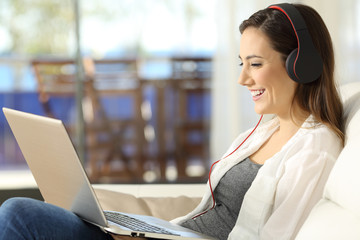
(336, 216)
(165, 201)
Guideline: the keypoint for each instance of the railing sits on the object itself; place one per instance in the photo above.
(162, 87)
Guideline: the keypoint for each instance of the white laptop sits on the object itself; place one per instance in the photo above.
(62, 181)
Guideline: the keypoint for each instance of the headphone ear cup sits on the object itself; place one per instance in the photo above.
(290, 65)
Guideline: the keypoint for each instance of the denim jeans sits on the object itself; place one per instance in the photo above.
(24, 218)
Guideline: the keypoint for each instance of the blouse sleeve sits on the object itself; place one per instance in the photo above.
(298, 190)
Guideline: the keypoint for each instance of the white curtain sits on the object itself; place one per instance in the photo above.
(232, 106)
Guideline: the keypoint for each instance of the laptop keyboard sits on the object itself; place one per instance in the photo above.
(134, 224)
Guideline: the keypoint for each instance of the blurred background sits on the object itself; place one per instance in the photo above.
(146, 88)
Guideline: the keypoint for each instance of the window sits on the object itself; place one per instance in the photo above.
(144, 29)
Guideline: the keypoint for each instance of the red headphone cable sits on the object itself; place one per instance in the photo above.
(212, 193)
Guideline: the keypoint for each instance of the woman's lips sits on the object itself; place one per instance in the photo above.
(256, 94)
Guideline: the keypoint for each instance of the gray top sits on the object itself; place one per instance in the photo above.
(229, 194)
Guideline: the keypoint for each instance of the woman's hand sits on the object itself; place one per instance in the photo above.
(119, 237)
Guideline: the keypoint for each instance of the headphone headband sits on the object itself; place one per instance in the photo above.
(304, 64)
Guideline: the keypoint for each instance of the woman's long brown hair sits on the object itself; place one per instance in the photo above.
(320, 98)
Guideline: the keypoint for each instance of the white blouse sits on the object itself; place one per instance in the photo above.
(286, 187)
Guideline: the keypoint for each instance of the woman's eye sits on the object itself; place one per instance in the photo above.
(241, 64)
(256, 64)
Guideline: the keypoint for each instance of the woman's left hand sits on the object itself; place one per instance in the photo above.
(119, 237)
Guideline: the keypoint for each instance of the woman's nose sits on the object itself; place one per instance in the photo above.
(244, 78)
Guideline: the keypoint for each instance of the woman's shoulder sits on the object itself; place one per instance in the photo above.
(316, 131)
(316, 137)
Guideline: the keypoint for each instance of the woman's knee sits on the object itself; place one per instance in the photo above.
(20, 205)
(15, 216)
(30, 217)
(18, 202)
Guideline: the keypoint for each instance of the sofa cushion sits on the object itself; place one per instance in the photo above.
(331, 222)
(343, 186)
(166, 208)
(337, 215)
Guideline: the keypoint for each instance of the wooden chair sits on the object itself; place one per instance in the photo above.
(116, 79)
(192, 86)
(104, 135)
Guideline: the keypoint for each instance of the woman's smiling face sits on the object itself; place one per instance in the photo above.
(264, 74)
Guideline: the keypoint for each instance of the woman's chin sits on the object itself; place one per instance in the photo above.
(260, 111)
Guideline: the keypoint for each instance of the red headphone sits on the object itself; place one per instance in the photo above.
(304, 64)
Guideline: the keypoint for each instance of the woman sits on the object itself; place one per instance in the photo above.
(297, 149)
(270, 178)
